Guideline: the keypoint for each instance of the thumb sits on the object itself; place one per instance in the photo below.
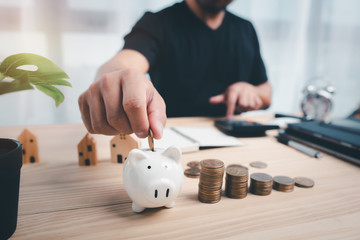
(157, 115)
(217, 99)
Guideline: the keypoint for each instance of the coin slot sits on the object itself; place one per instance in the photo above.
(167, 192)
(156, 193)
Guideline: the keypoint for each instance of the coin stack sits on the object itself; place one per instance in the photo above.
(194, 169)
(261, 184)
(283, 184)
(236, 184)
(211, 178)
(304, 182)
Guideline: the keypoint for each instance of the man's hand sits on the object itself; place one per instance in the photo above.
(242, 97)
(123, 101)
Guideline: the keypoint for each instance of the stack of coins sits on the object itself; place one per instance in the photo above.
(304, 182)
(236, 184)
(261, 184)
(194, 170)
(211, 178)
(283, 184)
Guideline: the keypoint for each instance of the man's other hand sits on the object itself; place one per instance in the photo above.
(242, 97)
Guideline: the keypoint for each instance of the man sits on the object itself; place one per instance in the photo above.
(202, 60)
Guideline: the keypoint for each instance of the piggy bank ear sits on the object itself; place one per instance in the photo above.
(173, 152)
(136, 156)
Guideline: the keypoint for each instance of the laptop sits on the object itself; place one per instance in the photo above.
(340, 137)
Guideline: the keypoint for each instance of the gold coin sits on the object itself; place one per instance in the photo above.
(151, 140)
(258, 164)
(304, 182)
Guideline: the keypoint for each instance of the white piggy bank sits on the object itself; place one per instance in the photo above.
(153, 179)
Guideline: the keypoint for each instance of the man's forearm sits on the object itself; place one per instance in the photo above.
(125, 59)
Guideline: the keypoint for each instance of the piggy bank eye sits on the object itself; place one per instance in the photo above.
(149, 167)
(165, 166)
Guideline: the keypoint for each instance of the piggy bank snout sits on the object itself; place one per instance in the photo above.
(160, 191)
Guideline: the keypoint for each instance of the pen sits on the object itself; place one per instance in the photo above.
(300, 147)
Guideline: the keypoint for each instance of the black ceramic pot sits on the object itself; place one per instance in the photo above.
(10, 166)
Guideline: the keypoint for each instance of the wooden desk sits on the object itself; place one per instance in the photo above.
(61, 200)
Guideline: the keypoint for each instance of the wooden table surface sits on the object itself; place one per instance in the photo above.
(61, 200)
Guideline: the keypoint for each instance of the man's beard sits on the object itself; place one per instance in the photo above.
(212, 9)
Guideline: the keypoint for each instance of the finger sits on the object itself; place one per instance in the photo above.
(251, 102)
(243, 101)
(157, 115)
(258, 103)
(99, 123)
(134, 104)
(217, 99)
(112, 96)
(85, 112)
(231, 99)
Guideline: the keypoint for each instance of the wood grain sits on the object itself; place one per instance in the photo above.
(61, 200)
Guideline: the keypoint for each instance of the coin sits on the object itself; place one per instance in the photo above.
(237, 165)
(193, 164)
(304, 182)
(192, 172)
(151, 140)
(261, 184)
(211, 163)
(211, 179)
(261, 177)
(236, 184)
(258, 164)
(283, 183)
(236, 171)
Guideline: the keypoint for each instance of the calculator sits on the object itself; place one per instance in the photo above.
(242, 128)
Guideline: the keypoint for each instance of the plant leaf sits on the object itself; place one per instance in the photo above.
(46, 75)
(21, 83)
(53, 92)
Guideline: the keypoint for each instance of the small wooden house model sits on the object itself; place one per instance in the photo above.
(87, 151)
(30, 147)
(121, 145)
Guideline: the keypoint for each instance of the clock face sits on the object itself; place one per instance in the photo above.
(316, 107)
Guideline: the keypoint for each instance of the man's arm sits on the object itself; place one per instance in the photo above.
(243, 96)
(122, 99)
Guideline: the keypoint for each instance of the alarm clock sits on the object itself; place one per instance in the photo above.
(318, 100)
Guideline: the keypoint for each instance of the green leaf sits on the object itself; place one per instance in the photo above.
(53, 92)
(46, 75)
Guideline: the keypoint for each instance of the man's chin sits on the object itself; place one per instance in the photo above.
(211, 9)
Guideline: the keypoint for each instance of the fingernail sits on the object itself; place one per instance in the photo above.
(141, 134)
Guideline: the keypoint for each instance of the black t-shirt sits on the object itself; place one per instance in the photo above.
(190, 62)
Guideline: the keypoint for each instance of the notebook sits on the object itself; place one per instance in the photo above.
(191, 139)
(339, 137)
